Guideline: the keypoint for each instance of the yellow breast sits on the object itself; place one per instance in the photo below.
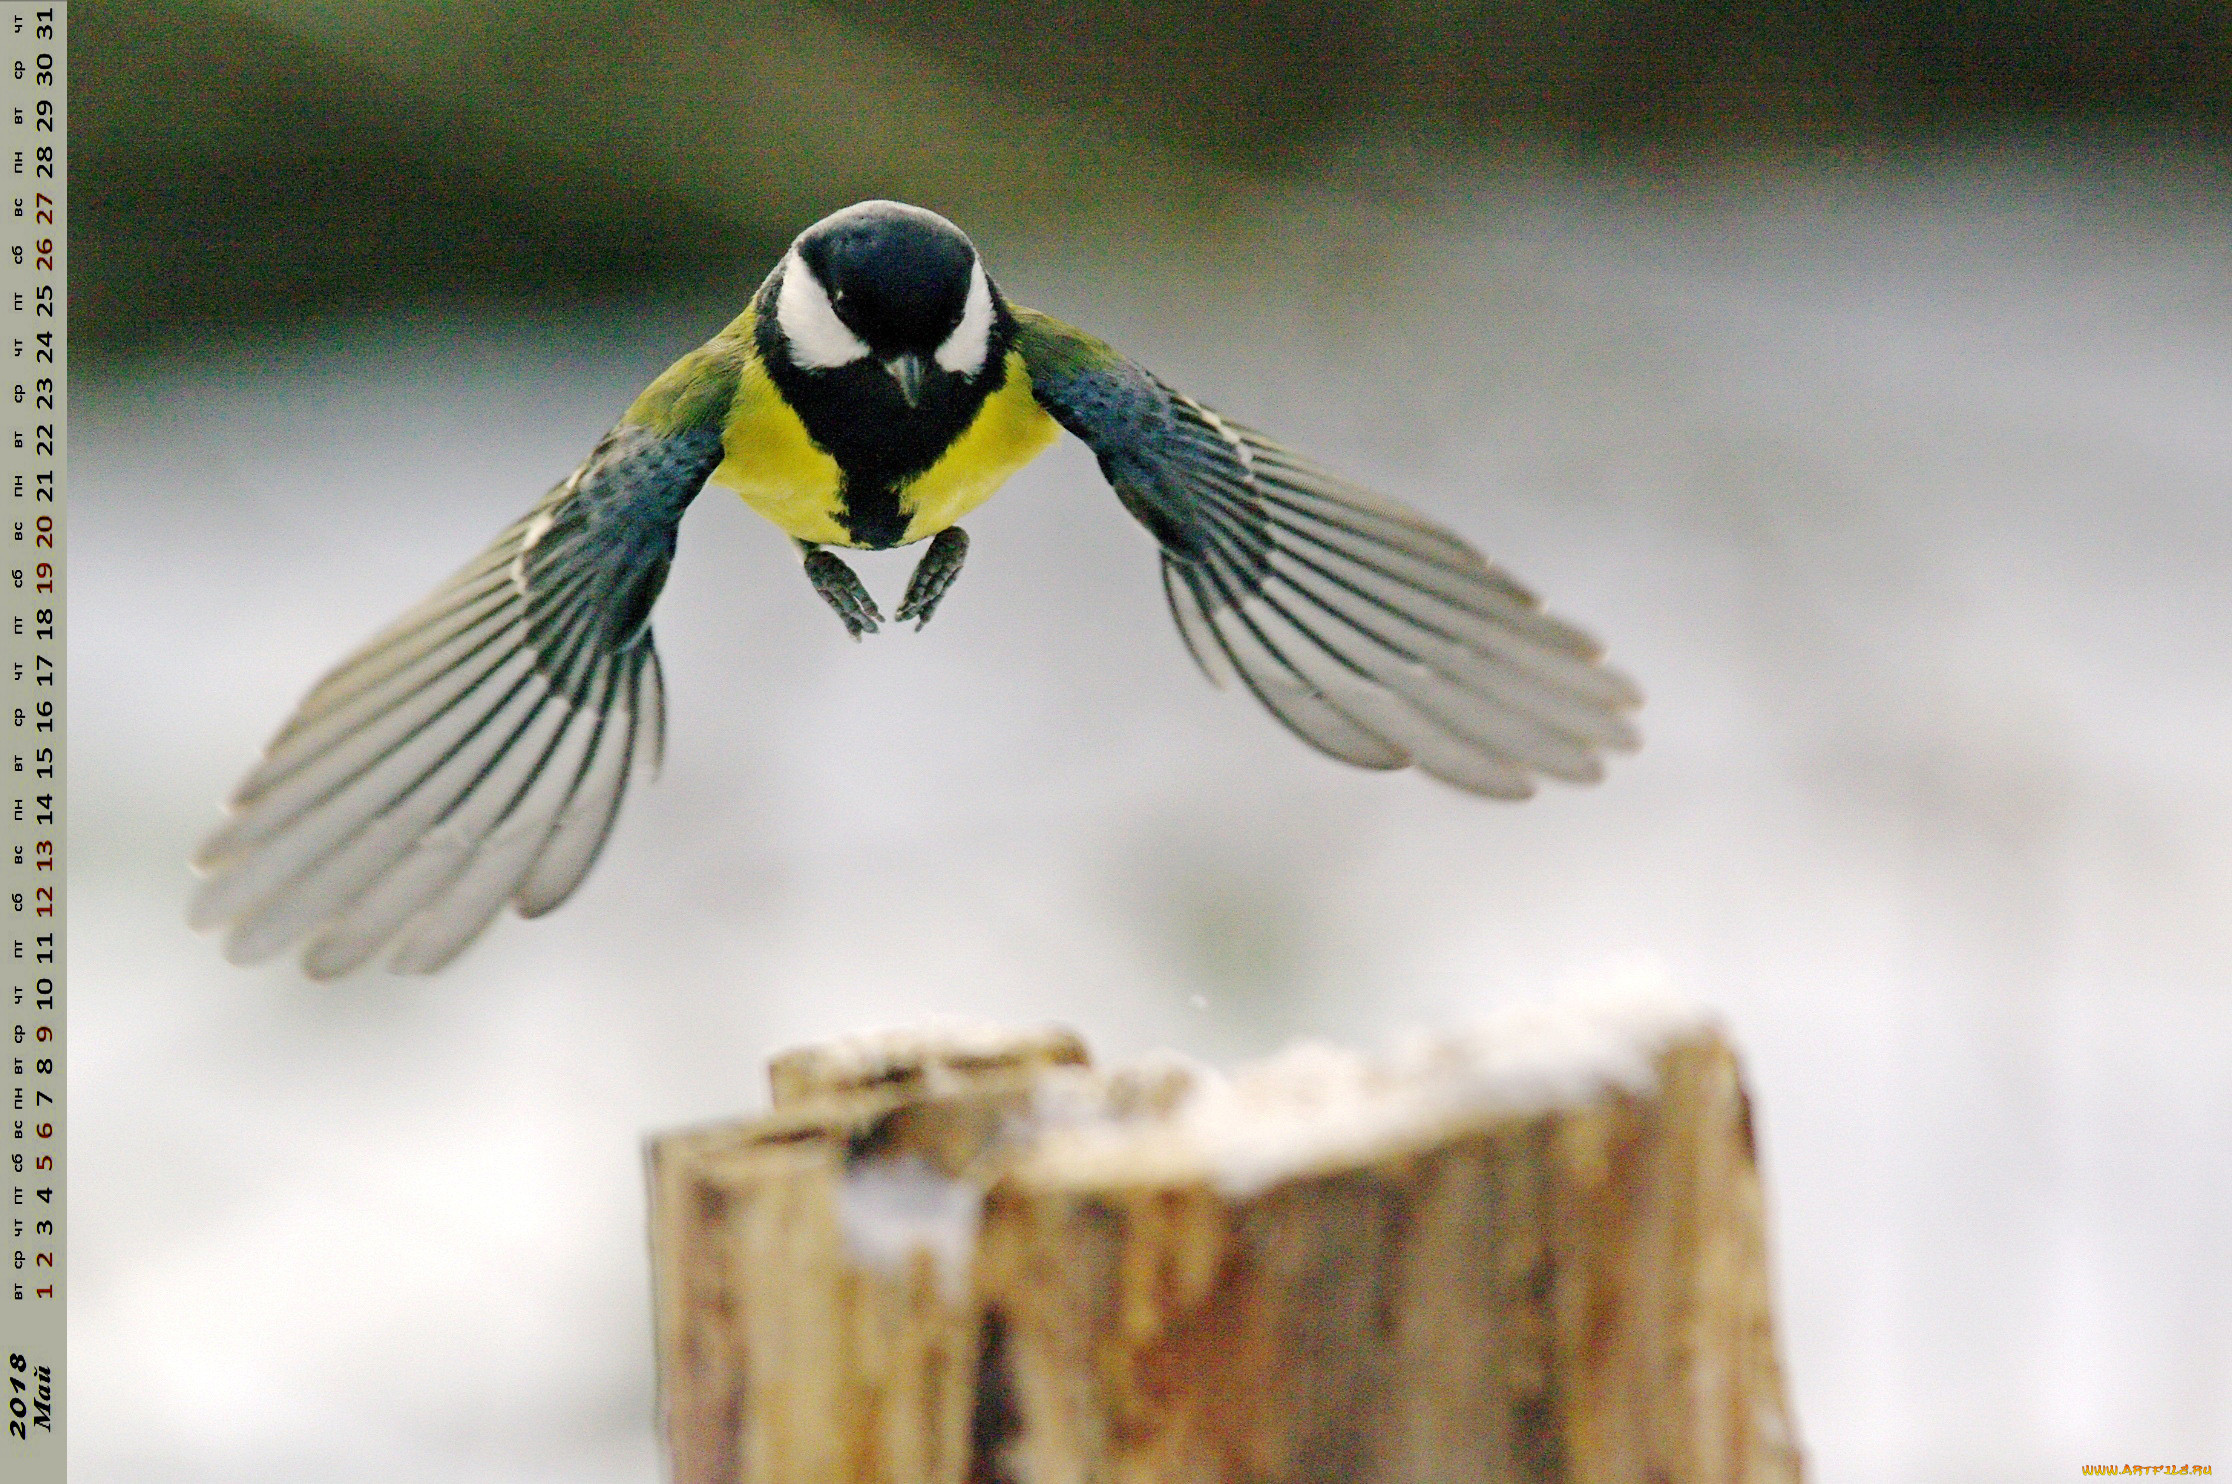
(1009, 431)
(773, 462)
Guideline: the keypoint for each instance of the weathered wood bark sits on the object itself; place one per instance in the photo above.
(948, 1259)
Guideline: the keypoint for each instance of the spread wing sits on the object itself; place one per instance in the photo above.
(477, 750)
(1371, 633)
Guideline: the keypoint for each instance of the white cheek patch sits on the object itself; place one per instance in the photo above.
(818, 338)
(963, 351)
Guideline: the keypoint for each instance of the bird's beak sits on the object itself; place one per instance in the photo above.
(908, 370)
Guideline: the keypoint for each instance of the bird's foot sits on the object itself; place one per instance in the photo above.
(841, 589)
(933, 575)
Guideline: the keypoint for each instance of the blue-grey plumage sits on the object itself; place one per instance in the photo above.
(1370, 632)
(877, 388)
(478, 750)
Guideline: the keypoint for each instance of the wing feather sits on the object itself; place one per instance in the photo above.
(610, 755)
(477, 750)
(1286, 689)
(1367, 630)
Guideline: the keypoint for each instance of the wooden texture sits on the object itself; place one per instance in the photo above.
(1543, 1288)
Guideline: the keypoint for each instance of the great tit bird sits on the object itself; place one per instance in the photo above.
(877, 389)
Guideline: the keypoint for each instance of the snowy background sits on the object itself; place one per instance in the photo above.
(1904, 489)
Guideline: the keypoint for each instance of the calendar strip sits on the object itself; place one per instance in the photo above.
(35, 299)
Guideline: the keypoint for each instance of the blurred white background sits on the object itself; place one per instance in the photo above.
(1904, 490)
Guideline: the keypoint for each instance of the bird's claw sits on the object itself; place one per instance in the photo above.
(841, 589)
(933, 575)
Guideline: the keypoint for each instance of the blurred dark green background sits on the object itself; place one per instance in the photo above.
(248, 164)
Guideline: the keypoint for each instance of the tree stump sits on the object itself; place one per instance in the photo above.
(1531, 1252)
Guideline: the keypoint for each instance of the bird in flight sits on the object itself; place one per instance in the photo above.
(877, 388)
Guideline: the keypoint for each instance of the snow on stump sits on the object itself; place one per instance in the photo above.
(1533, 1252)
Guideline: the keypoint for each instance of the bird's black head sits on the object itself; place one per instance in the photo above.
(894, 282)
